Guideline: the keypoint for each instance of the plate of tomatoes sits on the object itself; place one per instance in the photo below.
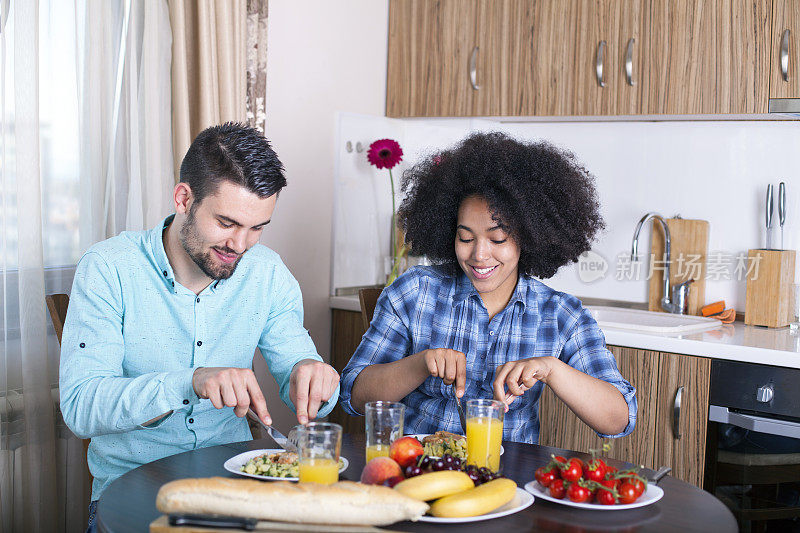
(592, 485)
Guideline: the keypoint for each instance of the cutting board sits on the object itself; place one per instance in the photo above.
(689, 240)
(161, 525)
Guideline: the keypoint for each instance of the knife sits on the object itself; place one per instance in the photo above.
(460, 411)
(782, 207)
(769, 216)
(276, 435)
(228, 522)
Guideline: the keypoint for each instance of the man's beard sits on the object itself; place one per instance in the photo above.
(191, 242)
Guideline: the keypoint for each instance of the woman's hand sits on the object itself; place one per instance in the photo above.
(520, 376)
(449, 365)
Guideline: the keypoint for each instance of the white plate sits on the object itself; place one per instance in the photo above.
(521, 500)
(235, 464)
(651, 495)
(420, 436)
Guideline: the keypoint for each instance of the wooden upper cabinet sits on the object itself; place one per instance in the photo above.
(430, 43)
(514, 56)
(742, 31)
(680, 58)
(630, 19)
(554, 55)
(785, 16)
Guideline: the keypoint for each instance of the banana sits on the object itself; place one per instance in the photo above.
(434, 485)
(475, 501)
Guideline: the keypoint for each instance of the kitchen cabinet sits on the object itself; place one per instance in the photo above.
(543, 58)
(785, 17)
(346, 332)
(660, 437)
(456, 58)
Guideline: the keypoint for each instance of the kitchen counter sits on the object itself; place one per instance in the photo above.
(734, 342)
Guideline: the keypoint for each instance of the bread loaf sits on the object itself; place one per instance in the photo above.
(344, 503)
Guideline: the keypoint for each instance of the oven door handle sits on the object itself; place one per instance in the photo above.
(754, 423)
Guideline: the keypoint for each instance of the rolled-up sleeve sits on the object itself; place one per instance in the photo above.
(96, 398)
(585, 350)
(387, 339)
(284, 341)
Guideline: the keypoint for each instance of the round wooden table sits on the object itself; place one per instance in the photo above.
(128, 504)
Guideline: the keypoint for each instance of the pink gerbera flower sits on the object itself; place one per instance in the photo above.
(384, 153)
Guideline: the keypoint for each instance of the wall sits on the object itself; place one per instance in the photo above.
(322, 57)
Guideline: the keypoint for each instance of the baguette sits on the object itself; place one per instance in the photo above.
(343, 503)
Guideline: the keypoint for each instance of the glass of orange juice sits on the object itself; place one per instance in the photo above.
(319, 444)
(484, 433)
(383, 424)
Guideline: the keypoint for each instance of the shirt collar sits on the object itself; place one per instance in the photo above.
(464, 289)
(162, 261)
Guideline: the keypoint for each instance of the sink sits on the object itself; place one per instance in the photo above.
(650, 321)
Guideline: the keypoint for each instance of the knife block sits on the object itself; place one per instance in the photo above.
(770, 274)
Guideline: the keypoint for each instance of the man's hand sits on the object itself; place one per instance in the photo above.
(231, 387)
(449, 365)
(519, 376)
(311, 384)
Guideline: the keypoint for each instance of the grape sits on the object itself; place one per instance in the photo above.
(438, 465)
(456, 463)
(475, 477)
(448, 460)
(425, 461)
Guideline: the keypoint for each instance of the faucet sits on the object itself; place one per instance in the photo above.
(675, 300)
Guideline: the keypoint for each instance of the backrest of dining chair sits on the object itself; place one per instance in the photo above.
(368, 299)
(57, 305)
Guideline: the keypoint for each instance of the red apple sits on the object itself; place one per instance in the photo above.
(378, 470)
(405, 451)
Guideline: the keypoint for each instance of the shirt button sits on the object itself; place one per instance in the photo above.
(185, 402)
(198, 299)
(491, 332)
(165, 273)
(191, 420)
(199, 343)
(82, 345)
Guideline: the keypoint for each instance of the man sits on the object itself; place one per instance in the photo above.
(163, 324)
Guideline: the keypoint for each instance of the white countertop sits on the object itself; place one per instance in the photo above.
(734, 342)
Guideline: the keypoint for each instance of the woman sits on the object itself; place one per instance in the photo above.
(491, 213)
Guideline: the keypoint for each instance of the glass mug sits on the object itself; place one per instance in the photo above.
(383, 425)
(484, 433)
(319, 445)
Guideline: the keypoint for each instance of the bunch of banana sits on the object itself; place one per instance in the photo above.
(455, 493)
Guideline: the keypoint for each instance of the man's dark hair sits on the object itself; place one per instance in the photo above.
(539, 194)
(232, 152)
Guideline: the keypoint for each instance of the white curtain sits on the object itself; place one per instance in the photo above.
(85, 152)
(124, 62)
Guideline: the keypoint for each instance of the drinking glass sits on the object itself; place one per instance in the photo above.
(383, 424)
(319, 444)
(794, 324)
(484, 433)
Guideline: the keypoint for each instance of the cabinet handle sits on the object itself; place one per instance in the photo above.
(473, 69)
(629, 62)
(676, 413)
(601, 55)
(785, 55)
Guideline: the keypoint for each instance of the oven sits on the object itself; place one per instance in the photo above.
(753, 446)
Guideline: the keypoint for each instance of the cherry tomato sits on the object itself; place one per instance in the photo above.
(578, 460)
(610, 483)
(604, 497)
(538, 474)
(637, 485)
(595, 471)
(627, 493)
(557, 489)
(547, 476)
(610, 470)
(573, 471)
(578, 494)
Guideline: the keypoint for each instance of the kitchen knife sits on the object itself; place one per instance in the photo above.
(781, 208)
(769, 216)
(461, 416)
(227, 522)
(276, 435)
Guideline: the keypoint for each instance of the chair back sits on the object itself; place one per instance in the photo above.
(368, 299)
(57, 305)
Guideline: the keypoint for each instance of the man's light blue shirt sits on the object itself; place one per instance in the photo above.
(133, 338)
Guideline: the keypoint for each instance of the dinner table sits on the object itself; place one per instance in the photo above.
(129, 502)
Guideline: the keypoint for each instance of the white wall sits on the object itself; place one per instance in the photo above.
(322, 57)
